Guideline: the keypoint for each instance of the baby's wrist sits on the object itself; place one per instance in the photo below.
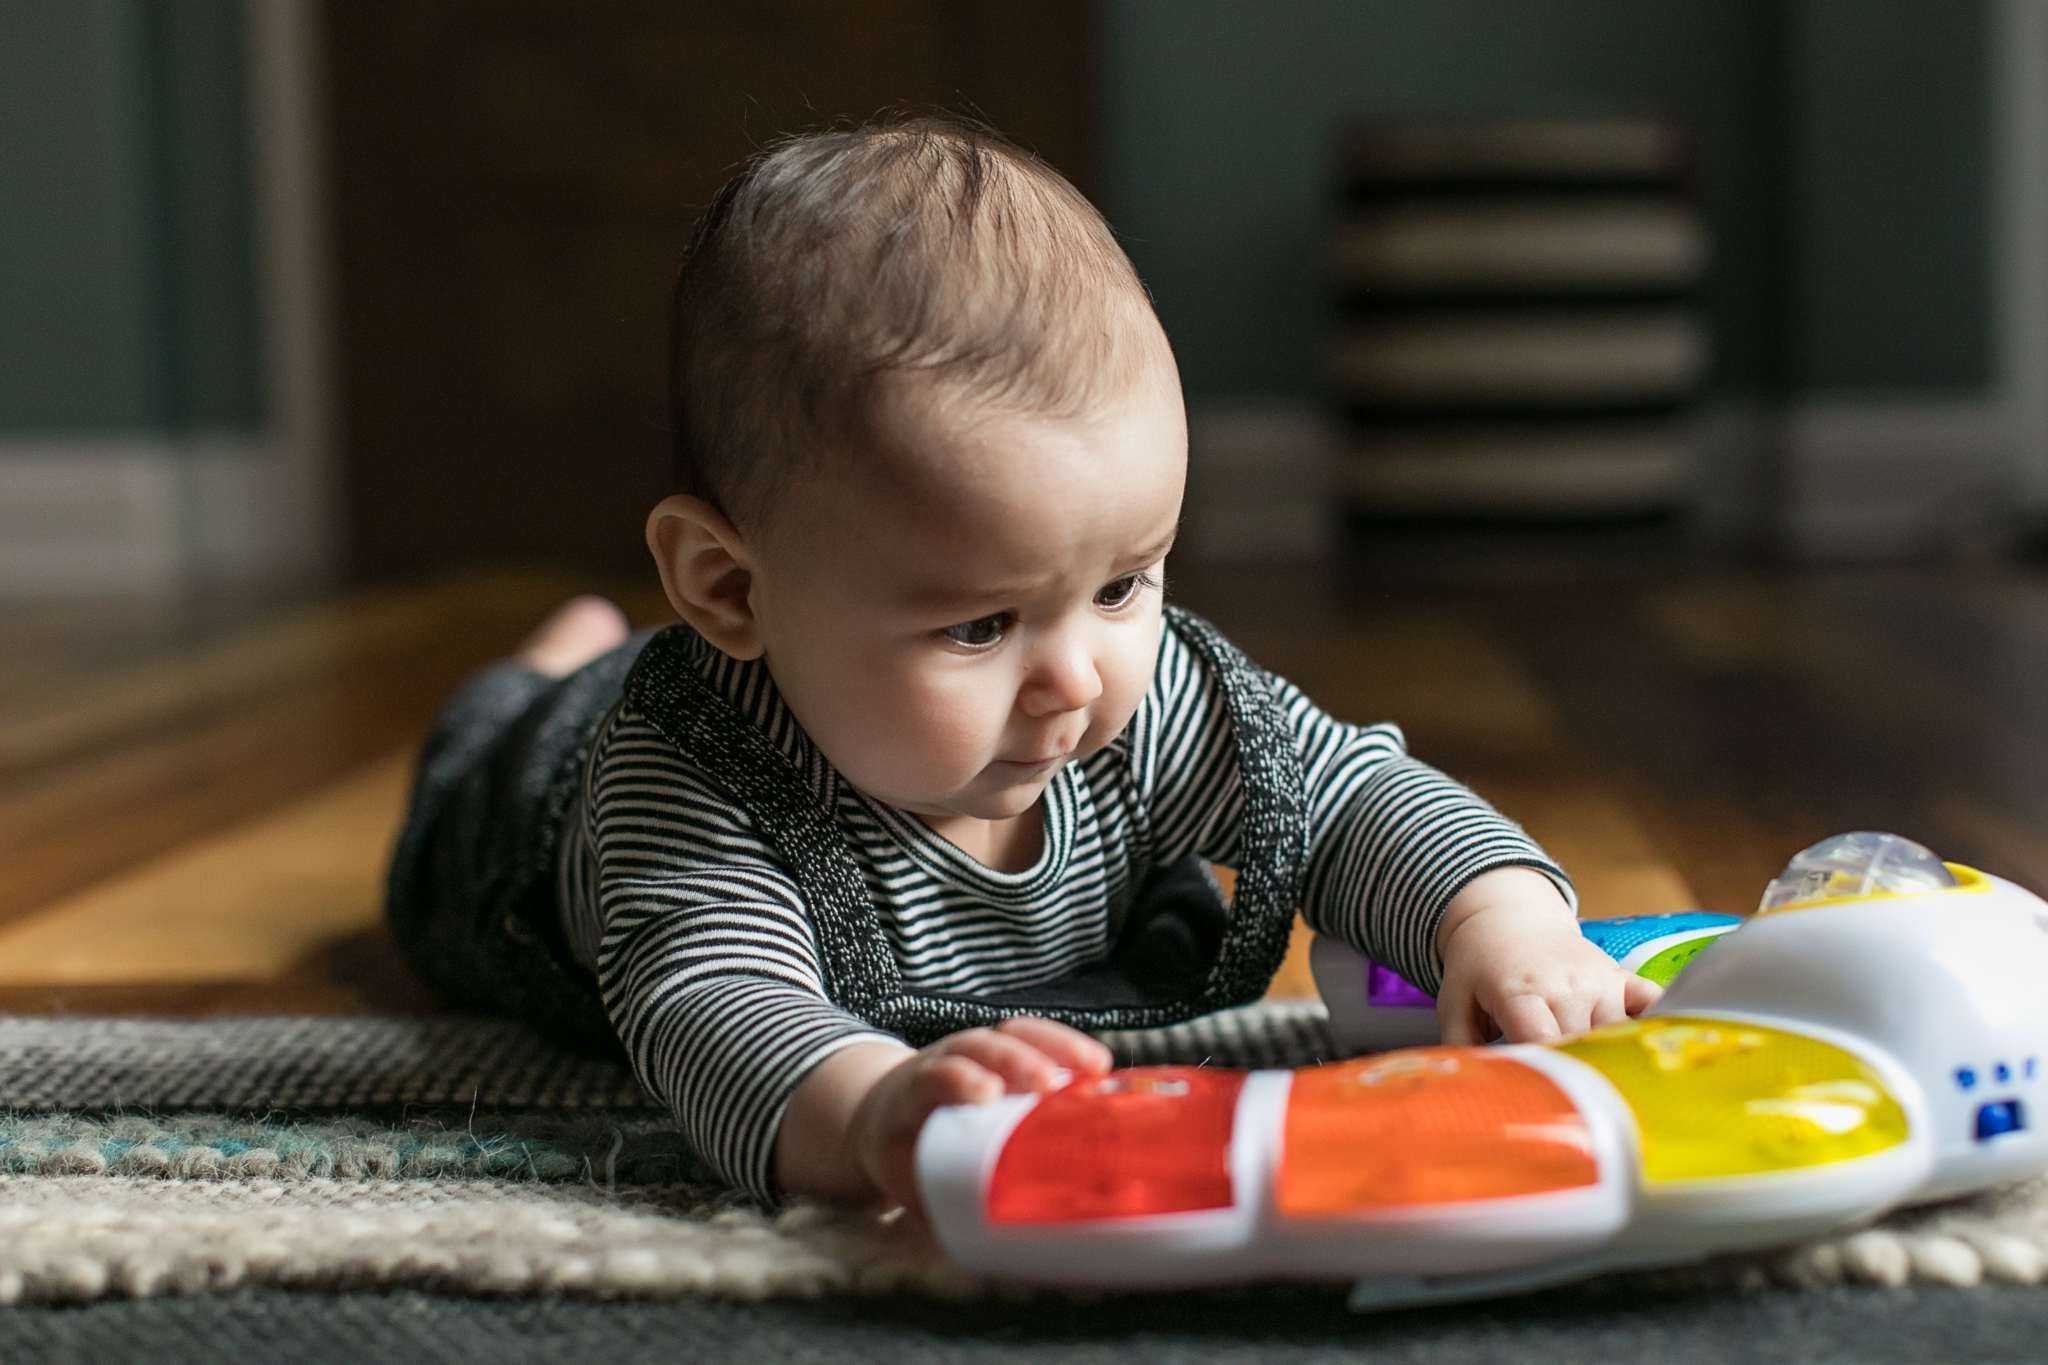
(1516, 889)
(819, 1148)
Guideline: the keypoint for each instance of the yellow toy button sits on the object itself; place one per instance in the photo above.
(1716, 1098)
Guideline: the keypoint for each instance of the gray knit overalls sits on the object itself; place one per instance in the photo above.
(471, 896)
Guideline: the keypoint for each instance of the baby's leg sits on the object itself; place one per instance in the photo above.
(471, 895)
(572, 635)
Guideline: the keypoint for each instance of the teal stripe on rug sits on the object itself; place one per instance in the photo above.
(544, 1147)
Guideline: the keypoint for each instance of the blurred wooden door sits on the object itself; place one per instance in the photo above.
(511, 186)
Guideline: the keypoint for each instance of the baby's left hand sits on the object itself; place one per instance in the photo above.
(1516, 965)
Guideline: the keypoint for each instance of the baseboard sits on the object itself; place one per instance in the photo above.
(80, 519)
(1875, 477)
(1893, 478)
(154, 518)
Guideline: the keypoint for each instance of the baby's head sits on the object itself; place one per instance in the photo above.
(929, 453)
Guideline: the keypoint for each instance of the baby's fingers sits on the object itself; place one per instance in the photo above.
(1629, 994)
(1611, 1007)
(1578, 1011)
(1067, 1047)
(1460, 1020)
(1527, 1019)
(948, 1079)
(1021, 1066)
(934, 1082)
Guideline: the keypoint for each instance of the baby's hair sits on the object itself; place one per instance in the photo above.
(925, 245)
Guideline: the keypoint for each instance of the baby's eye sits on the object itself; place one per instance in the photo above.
(979, 633)
(1120, 593)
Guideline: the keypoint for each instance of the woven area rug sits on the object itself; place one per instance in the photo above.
(142, 1157)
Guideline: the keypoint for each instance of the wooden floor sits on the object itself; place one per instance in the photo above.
(196, 802)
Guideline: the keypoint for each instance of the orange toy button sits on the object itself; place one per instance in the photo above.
(1428, 1125)
(1147, 1140)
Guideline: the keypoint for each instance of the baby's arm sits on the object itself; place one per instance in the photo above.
(707, 963)
(850, 1132)
(782, 1092)
(1395, 847)
(711, 976)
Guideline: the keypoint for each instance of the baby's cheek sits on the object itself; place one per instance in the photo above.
(1125, 677)
(948, 725)
(872, 717)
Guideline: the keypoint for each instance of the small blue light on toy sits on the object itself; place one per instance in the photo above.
(1966, 1077)
(2003, 1072)
(1999, 1117)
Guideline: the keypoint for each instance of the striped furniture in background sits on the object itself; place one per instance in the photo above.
(1519, 337)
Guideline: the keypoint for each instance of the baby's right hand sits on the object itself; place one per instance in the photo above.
(971, 1067)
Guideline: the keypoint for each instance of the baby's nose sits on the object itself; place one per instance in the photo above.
(1062, 679)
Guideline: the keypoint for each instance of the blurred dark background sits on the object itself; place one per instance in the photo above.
(304, 294)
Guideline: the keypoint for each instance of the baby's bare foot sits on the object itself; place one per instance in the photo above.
(573, 634)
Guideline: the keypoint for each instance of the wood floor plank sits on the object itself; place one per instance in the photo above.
(1450, 687)
(275, 718)
(1614, 860)
(385, 989)
(252, 903)
(1904, 691)
(79, 711)
(99, 816)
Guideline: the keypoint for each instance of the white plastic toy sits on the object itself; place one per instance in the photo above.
(1870, 1038)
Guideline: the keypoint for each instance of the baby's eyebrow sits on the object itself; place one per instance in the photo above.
(1160, 547)
(955, 596)
(940, 596)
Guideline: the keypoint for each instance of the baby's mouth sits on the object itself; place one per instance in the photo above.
(1046, 762)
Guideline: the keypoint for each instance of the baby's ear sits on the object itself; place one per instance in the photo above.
(706, 572)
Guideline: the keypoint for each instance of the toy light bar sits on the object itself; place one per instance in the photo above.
(1870, 1038)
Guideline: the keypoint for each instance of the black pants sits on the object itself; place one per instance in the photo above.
(471, 895)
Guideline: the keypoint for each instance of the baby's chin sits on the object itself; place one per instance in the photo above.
(998, 800)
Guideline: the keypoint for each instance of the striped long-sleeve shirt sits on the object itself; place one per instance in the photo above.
(709, 967)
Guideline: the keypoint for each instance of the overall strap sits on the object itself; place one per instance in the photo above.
(860, 971)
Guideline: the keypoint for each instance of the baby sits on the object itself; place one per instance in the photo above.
(919, 788)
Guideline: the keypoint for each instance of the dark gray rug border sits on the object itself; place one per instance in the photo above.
(352, 1064)
(1575, 1327)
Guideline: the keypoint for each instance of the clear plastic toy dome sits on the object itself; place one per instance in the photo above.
(1857, 864)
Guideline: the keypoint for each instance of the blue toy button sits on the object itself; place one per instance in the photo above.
(1620, 937)
(2000, 1116)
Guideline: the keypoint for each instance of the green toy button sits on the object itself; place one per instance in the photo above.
(1675, 959)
